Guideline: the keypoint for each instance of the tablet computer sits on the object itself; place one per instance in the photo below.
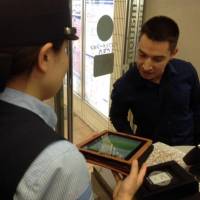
(116, 150)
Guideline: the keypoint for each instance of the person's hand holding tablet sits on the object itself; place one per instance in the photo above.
(126, 189)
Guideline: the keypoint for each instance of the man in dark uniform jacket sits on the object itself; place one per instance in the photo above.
(163, 93)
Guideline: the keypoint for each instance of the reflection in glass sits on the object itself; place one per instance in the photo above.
(77, 47)
(96, 89)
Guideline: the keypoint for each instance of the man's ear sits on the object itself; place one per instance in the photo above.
(44, 56)
(175, 51)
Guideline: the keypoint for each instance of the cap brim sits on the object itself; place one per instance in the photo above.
(70, 33)
(71, 37)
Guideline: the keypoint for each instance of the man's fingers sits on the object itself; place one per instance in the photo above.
(141, 174)
(134, 169)
(136, 174)
(117, 187)
(116, 176)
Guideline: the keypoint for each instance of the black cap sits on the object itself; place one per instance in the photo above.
(33, 22)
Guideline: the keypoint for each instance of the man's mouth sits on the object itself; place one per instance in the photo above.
(147, 73)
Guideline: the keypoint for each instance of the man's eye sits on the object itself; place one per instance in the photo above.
(157, 59)
(142, 55)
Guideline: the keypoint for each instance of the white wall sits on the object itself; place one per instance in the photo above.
(187, 14)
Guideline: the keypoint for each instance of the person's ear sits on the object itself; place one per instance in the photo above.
(174, 52)
(44, 56)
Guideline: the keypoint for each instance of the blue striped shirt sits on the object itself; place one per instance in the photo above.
(60, 171)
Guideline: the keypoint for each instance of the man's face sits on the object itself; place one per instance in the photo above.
(152, 58)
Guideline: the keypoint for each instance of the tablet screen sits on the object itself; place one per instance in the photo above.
(115, 145)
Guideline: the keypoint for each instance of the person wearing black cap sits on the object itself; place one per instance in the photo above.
(35, 162)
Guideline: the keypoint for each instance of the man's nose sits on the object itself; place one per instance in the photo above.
(147, 65)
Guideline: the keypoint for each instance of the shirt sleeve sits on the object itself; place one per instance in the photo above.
(195, 104)
(119, 110)
(58, 173)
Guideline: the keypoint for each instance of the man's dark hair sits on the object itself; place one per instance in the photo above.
(161, 28)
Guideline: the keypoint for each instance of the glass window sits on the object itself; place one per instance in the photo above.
(96, 88)
(77, 46)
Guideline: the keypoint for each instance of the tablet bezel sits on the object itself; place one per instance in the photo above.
(146, 143)
(99, 139)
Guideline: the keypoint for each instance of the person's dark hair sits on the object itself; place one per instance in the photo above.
(20, 60)
(161, 28)
(23, 33)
